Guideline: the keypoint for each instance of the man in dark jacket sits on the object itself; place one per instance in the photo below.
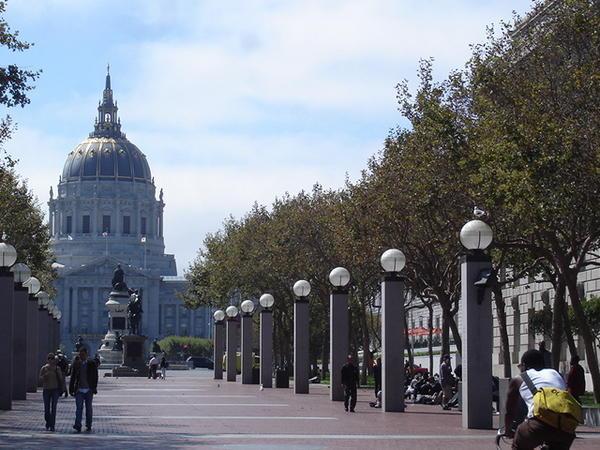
(576, 379)
(350, 382)
(83, 385)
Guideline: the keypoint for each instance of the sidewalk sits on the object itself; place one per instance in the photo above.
(191, 410)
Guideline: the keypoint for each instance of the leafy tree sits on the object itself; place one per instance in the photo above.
(591, 312)
(184, 346)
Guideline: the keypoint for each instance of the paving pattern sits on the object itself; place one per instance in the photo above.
(191, 410)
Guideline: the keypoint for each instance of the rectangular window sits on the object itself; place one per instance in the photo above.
(69, 229)
(85, 225)
(106, 224)
(126, 225)
(143, 226)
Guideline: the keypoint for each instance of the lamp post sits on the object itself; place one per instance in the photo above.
(43, 299)
(247, 308)
(8, 256)
(219, 343)
(392, 331)
(33, 285)
(266, 340)
(22, 274)
(58, 334)
(232, 342)
(477, 326)
(338, 329)
(49, 328)
(301, 337)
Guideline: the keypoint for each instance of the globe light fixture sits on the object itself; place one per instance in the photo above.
(266, 301)
(393, 260)
(21, 271)
(247, 306)
(476, 235)
(301, 288)
(339, 277)
(8, 255)
(219, 315)
(33, 284)
(231, 311)
(43, 299)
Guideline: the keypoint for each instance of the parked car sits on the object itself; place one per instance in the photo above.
(200, 362)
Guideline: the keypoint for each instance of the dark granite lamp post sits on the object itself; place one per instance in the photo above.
(232, 342)
(266, 340)
(21, 295)
(43, 300)
(247, 308)
(476, 310)
(8, 256)
(33, 365)
(392, 331)
(219, 343)
(301, 337)
(338, 329)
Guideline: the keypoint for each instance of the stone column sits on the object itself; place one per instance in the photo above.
(232, 344)
(33, 365)
(6, 337)
(42, 336)
(266, 348)
(19, 380)
(246, 348)
(338, 343)
(393, 343)
(219, 349)
(477, 341)
(301, 339)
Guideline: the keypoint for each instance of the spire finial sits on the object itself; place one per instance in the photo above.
(107, 86)
(108, 69)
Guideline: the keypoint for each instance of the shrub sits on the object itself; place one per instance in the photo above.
(180, 347)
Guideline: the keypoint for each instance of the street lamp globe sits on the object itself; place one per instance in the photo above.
(266, 301)
(476, 235)
(231, 311)
(339, 277)
(33, 284)
(21, 271)
(247, 306)
(301, 288)
(43, 299)
(8, 255)
(393, 260)
(219, 315)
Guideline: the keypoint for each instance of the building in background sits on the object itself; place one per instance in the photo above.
(105, 212)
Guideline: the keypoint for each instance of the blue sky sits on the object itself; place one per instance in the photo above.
(231, 101)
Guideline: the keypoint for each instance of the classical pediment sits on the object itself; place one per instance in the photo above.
(102, 265)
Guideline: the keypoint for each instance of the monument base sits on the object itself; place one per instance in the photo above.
(134, 364)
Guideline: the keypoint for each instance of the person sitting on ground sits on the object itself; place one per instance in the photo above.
(533, 432)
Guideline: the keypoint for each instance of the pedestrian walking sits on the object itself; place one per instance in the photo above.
(576, 379)
(63, 364)
(377, 375)
(83, 385)
(446, 380)
(53, 383)
(350, 382)
(164, 364)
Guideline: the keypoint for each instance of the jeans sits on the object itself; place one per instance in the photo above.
(350, 394)
(163, 371)
(80, 398)
(50, 401)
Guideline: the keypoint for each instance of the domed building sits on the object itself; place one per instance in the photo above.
(105, 213)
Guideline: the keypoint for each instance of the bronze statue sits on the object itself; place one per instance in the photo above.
(79, 344)
(118, 344)
(118, 279)
(134, 313)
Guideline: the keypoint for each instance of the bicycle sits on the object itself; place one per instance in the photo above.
(501, 438)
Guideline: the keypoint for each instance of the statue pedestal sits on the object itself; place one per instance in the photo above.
(134, 363)
(117, 323)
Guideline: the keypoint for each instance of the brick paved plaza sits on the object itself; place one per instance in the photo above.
(192, 410)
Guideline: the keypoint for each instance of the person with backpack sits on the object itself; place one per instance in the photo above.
(552, 413)
(53, 384)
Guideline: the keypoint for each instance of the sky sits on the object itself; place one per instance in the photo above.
(232, 102)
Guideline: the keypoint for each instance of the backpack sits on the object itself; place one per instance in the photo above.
(554, 407)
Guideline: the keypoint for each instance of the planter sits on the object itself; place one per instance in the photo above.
(591, 416)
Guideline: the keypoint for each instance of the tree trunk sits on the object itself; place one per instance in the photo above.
(445, 331)
(557, 323)
(325, 357)
(568, 330)
(430, 343)
(586, 333)
(411, 358)
(504, 344)
(366, 346)
(456, 334)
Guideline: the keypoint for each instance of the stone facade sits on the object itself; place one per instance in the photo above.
(105, 213)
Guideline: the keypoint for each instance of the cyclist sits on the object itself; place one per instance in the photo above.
(533, 432)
